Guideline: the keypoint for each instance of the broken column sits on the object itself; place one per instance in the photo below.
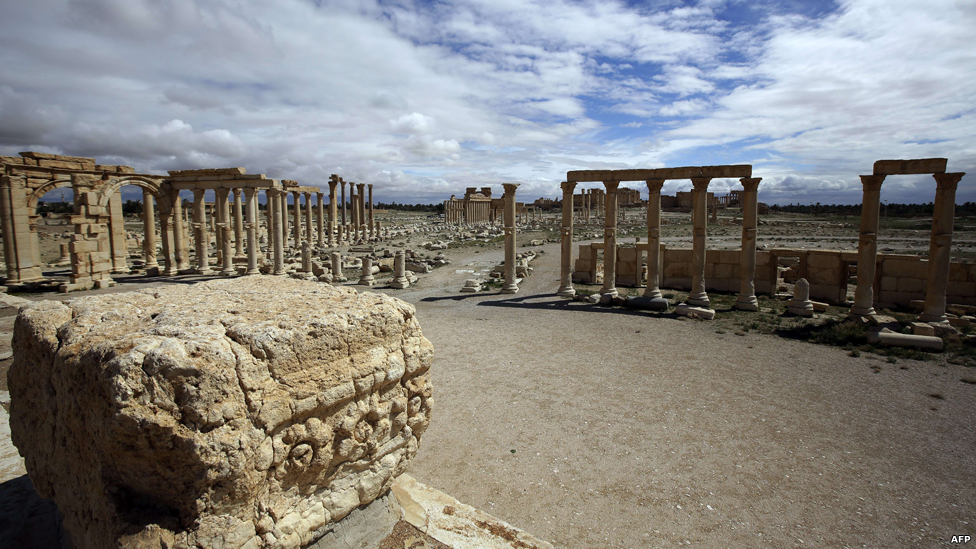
(182, 421)
(337, 268)
(801, 305)
(320, 219)
(333, 209)
(746, 301)
(867, 246)
(566, 258)
(940, 247)
(372, 234)
(367, 278)
(400, 280)
(510, 287)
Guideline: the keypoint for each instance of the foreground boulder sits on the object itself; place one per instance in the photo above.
(240, 413)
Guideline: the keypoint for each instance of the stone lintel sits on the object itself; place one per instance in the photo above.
(633, 175)
(589, 176)
(906, 167)
(208, 171)
(736, 171)
(227, 184)
(684, 172)
(58, 157)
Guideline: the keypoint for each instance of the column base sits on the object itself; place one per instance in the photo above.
(400, 285)
(253, 272)
(933, 318)
(228, 272)
(566, 292)
(861, 312)
(510, 289)
(612, 292)
(650, 303)
(747, 303)
(653, 293)
(698, 299)
(206, 271)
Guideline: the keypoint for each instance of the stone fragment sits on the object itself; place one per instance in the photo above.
(922, 329)
(471, 285)
(905, 340)
(695, 312)
(801, 305)
(233, 413)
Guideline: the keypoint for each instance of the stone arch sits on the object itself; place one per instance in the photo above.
(112, 186)
(37, 193)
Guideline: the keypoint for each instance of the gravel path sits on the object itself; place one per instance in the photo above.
(596, 427)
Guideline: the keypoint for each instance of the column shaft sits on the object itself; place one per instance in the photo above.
(510, 286)
(698, 297)
(238, 224)
(251, 210)
(867, 246)
(566, 258)
(746, 300)
(940, 247)
(653, 290)
(610, 240)
(320, 220)
(200, 232)
(149, 230)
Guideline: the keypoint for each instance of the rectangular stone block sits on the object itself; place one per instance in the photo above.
(627, 254)
(823, 276)
(727, 256)
(677, 269)
(911, 285)
(677, 283)
(677, 255)
(589, 176)
(889, 283)
(899, 268)
(824, 261)
(633, 175)
(685, 172)
(826, 292)
(916, 166)
(736, 171)
(961, 289)
(958, 272)
(762, 258)
(82, 246)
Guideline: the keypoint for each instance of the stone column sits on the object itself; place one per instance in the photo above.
(653, 288)
(179, 231)
(343, 183)
(400, 280)
(238, 224)
(277, 232)
(297, 209)
(168, 236)
(566, 257)
(353, 230)
(510, 287)
(333, 212)
(747, 255)
(362, 209)
(308, 217)
(200, 228)
(116, 235)
(698, 297)
(367, 279)
(337, 267)
(867, 246)
(940, 246)
(224, 226)
(149, 229)
(372, 233)
(251, 225)
(377, 232)
(320, 221)
(610, 240)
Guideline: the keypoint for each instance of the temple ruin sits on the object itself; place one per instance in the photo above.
(97, 247)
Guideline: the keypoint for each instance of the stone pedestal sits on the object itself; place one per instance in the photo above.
(400, 280)
(337, 268)
(367, 278)
(801, 305)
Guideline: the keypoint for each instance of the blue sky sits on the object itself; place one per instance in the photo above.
(423, 99)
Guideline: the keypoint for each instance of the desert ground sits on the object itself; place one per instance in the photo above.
(593, 426)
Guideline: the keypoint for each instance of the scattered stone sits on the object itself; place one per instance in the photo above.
(699, 312)
(471, 285)
(801, 305)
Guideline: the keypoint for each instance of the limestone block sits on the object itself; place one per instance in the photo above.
(677, 269)
(736, 171)
(962, 289)
(725, 270)
(905, 340)
(958, 272)
(233, 413)
(762, 258)
(824, 276)
(906, 268)
(889, 283)
(627, 255)
(911, 285)
(823, 261)
(677, 256)
(589, 175)
(921, 165)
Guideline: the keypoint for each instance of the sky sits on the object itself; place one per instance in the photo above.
(424, 99)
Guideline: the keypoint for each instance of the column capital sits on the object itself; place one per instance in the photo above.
(333, 184)
(307, 194)
(249, 191)
(370, 185)
(872, 182)
(319, 194)
(701, 183)
(654, 185)
(568, 186)
(611, 186)
(198, 193)
(510, 188)
(947, 181)
(750, 184)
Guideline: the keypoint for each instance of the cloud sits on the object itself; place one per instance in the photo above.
(424, 99)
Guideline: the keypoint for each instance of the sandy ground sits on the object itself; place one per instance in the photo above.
(597, 427)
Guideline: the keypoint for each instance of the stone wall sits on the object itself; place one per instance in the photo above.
(228, 414)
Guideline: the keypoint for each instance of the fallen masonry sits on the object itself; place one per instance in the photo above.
(229, 414)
